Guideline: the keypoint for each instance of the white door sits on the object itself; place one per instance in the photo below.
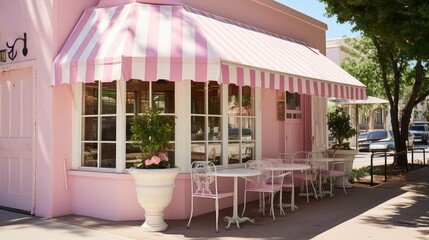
(16, 138)
(294, 136)
(294, 123)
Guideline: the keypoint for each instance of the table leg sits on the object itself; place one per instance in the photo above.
(292, 201)
(235, 218)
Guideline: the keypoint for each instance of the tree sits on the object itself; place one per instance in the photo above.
(399, 30)
(339, 125)
(362, 63)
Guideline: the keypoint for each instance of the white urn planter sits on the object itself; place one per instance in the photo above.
(154, 189)
(348, 156)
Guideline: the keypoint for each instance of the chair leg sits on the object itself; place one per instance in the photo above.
(344, 185)
(272, 206)
(314, 189)
(192, 211)
(282, 212)
(244, 204)
(217, 214)
(306, 188)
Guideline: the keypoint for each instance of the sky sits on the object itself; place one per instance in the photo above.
(316, 9)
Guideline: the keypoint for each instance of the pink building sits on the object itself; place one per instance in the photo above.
(245, 80)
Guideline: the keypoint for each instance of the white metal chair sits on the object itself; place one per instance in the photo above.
(288, 181)
(204, 185)
(307, 177)
(267, 182)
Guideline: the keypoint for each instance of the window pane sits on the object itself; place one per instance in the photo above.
(247, 151)
(90, 99)
(198, 128)
(137, 96)
(233, 100)
(89, 129)
(108, 103)
(171, 154)
(247, 101)
(214, 153)
(128, 132)
(108, 155)
(198, 152)
(214, 98)
(215, 131)
(197, 98)
(163, 96)
(132, 155)
(233, 152)
(108, 129)
(233, 128)
(293, 101)
(247, 132)
(89, 154)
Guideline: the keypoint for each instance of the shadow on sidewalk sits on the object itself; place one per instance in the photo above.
(306, 222)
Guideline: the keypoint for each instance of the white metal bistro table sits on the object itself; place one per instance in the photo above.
(290, 167)
(327, 161)
(236, 173)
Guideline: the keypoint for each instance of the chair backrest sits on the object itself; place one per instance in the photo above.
(287, 157)
(203, 178)
(262, 166)
(318, 155)
(300, 157)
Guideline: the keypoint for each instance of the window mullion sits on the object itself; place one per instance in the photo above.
(120, 126)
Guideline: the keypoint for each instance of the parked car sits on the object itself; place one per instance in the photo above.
(420, 123)
(421, 133)
(363, 136)
(372, 136)
(388, 144)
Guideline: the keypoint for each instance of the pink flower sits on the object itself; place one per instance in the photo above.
(155, 159)
(163, 156)
(147, 162)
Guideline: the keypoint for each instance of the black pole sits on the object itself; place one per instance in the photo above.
(370, 171)
(385, 166)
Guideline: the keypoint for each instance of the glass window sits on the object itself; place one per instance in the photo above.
(280, 99)
(206, 122)
(378, 116)
(293, 101)
(293, 106)
(99, 140)
(99, 125)
(241, 124)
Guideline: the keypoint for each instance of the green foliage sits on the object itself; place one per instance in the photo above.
(399, 31)
(152, 131)
(339, 124)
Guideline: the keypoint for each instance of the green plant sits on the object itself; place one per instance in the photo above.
(340, 127)
(151, 132)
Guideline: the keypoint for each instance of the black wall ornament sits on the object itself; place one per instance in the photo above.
(12, 53)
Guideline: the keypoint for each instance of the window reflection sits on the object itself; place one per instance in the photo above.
(137, 96)
(206, 122)
(241, 124)
(163, 96)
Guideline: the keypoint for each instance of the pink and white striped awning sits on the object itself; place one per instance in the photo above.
(151, 42)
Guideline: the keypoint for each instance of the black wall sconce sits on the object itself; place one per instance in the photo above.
(12, 53)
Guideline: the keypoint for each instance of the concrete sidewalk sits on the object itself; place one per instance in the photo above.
(398, 209)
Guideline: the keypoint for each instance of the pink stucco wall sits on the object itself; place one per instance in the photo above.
(60, 191)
